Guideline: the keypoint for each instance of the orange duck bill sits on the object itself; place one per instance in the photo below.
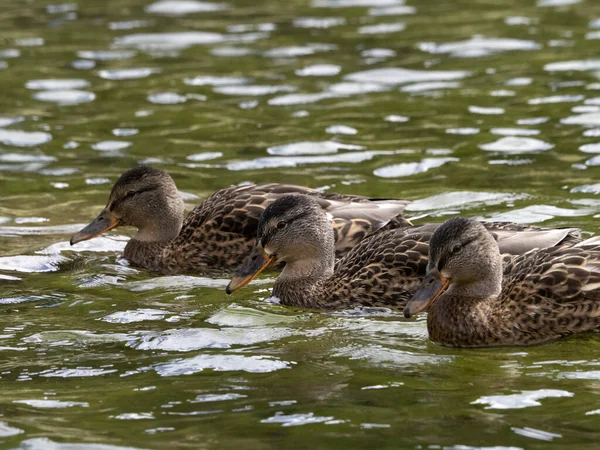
(431, 288)
(251, 267)
(104, 222)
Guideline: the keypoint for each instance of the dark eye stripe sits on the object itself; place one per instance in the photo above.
(444, 259)
(265, 237)
(130, 194)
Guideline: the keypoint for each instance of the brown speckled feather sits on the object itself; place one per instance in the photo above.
(546, 294)
(220, 232)
(385, 269)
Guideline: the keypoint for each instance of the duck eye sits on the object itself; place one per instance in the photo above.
(281, 225)
(457, 248)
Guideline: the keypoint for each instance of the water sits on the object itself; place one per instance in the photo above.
(487, 109)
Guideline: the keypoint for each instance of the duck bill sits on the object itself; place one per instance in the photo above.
(252, 266)
(104, 222)
(431, 288)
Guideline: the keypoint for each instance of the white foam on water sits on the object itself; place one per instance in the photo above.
(9, 278)
(378, 53)
(106, 55)
(20, 138)
(348, 88)
(295, 420)
(180, 282)
(319, 70)
(355, 3)
(294, 161)
(6, 430)
(396, 10)
(576, 65)
(555, 99)
(524, 399)
(510, 162)
(462, 131)
(11, 231)
(7, 121)
(76, 373)
(519, 81)
(183, 7)
(127, 74)
(544, 3)
(587, 189)
(585, 109)
(516, 145)
(125, 131)
(397, 75)
(10, 53)
(192, 339)
(583, 375)
(253, 90)
(379, 355)
(221, 363)
(594, 132)
(382, 28)
(61, 8)
(47, 444)
(51, 404)
(311, 148)
(502, 93)
(514, 131)
(589, 119)
(299, 99)
(111, 146)
(65, 96)
(232, 52)
(486, 110)
(25, 158)
(396, 118)
(206, 398)
(136, 315)
(57, 84)
(412, 168)
(31, 263)
(532, 121)
(167, 98)
(209, 80)
(430, 86)
(540, 213)
(318, 22)
(590, 148)
(519, 20)
(205, 156)
(479, 46)
(100, 244)
(294, 51)
(341, 129)
(83, 64)
(168, 41)
(532, 432)
(129, 24)
(239, 316)
(134, 416)
(244, 28)
(462, 200)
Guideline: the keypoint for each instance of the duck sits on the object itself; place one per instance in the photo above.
(475, 299)
(217, 234)
(382, 270)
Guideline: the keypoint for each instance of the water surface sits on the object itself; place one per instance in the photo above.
(482, 108)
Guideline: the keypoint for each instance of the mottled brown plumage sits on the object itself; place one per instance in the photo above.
(217, 234)
(474, 299)
(382, 270)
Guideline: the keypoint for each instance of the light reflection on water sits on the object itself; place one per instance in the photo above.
(488, 110)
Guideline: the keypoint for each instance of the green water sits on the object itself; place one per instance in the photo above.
(99, 354)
